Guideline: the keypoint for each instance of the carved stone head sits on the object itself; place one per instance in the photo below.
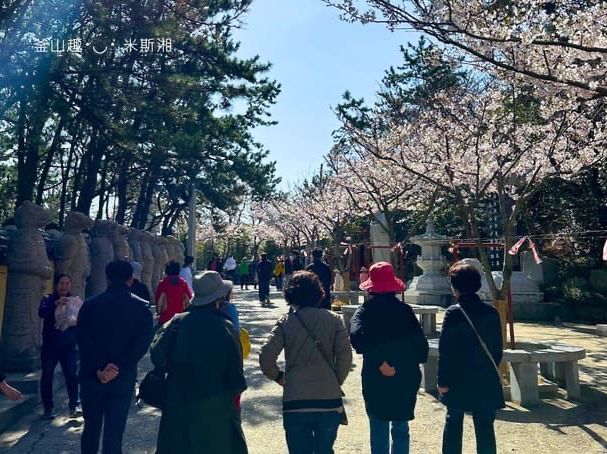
(77, 222)
(102, 228)
(30, 215)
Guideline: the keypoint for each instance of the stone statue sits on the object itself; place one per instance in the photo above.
(28, 272)
(72, 254)
(159, 255)
(167, 252)
(147, 260)
(134, 239)
(178, 250)
(119, 242)
(102, 253)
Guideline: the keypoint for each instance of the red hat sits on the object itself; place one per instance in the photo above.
(382, 280)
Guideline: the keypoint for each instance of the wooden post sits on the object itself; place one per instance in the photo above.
(502, 309)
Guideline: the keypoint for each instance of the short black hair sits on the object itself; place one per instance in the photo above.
(188, 260)
(119, 271)
(172, 268)
(317, 253)
(60, 276)
(465, 278)
(304, 289)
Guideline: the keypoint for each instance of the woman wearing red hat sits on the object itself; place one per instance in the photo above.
(390, 338)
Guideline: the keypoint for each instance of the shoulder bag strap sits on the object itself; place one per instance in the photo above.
(482, 342)
(318, 346)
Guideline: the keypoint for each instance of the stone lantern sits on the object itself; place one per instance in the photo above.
(432, 287)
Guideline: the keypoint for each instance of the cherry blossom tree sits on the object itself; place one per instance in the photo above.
(560, 46)
(499, 139)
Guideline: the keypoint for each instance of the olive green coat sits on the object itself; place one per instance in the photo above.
(201, 354)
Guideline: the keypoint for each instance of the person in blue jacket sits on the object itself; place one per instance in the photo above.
(58, 347)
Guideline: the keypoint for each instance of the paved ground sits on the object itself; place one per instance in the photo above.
(557, 425)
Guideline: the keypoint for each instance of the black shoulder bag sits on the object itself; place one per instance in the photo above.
(153, 388)
(317, 344)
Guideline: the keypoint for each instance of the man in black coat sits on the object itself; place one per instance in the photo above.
(387, 333)
(323, 271)
(264, 275)
(114, 332)
(467, 375)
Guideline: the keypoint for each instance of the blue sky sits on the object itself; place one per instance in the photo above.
(315, 57)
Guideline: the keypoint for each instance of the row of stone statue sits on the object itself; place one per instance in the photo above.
(29, 270)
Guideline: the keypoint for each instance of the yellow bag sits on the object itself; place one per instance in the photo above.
(245, 343)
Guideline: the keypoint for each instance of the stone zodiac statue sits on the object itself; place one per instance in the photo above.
(72, 254)
(119, 242)
(147, 260)
(28, 273)
(102, 253)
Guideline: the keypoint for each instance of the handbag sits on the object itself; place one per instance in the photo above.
(245, 342)
(153, 388)
(482, 342)
(317, 344)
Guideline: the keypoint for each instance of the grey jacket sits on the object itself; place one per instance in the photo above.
(310, 383)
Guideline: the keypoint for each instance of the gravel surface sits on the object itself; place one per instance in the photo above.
(556, 425)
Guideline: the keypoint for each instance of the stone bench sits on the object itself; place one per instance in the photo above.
(354, 297)
(601, 330)
(426, 313)
(557, 362)
(427, 318)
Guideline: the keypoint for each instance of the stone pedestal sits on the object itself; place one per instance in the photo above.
(380, 241)
(431, 288)
(601, 330)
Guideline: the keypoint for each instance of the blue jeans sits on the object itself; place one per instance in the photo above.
(483, 429)
(380, 436)
(311, 432)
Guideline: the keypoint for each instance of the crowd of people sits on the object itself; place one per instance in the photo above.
(198, 350)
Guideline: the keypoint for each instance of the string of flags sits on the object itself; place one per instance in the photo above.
(514, 249)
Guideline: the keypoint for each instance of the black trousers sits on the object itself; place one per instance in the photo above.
(483, 429)
(104, 406)
(67, 356)
(264, 289)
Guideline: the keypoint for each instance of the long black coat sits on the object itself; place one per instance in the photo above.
(386, 329)
(463, 365)
(202, 355)
(323, 271)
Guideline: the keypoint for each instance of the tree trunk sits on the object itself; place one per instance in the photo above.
(97, 148)
(48, 161)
